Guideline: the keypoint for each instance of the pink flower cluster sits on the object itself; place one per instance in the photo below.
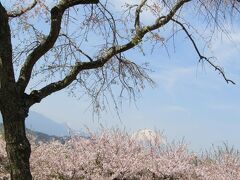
(116, 155)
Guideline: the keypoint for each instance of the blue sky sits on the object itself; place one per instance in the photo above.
(189, 101)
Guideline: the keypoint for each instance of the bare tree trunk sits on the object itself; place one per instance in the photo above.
(17, 145)
(13, 107)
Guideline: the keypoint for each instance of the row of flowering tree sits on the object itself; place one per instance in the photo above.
(114, 154)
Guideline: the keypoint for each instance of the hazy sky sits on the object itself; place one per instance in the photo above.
(190, 101)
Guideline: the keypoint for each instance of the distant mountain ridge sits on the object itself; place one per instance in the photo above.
(40, 123)
(40, 137)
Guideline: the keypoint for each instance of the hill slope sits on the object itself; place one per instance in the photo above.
(39, 136)
(38, 122)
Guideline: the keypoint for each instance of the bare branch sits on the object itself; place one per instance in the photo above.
(165, 19)
(37, 96)
(203, 58)
(100, 61)
(76, 47)
(56, 18)
(14, 14)
(111, 21)
(137, 14)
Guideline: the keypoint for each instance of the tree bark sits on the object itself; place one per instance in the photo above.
(17, 145)
(13, 107)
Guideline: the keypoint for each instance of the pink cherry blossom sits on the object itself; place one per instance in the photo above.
(114, 154)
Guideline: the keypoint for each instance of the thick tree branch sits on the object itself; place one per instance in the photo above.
(49, 41)
(137, 14)
(165, 19)
(203, 58)
(70, 3)
(37, 96)
(6, 66)
(14, 14)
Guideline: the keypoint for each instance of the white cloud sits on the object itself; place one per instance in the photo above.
(169, 78)
(224, 107)
(227, 47)
(224, 46)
